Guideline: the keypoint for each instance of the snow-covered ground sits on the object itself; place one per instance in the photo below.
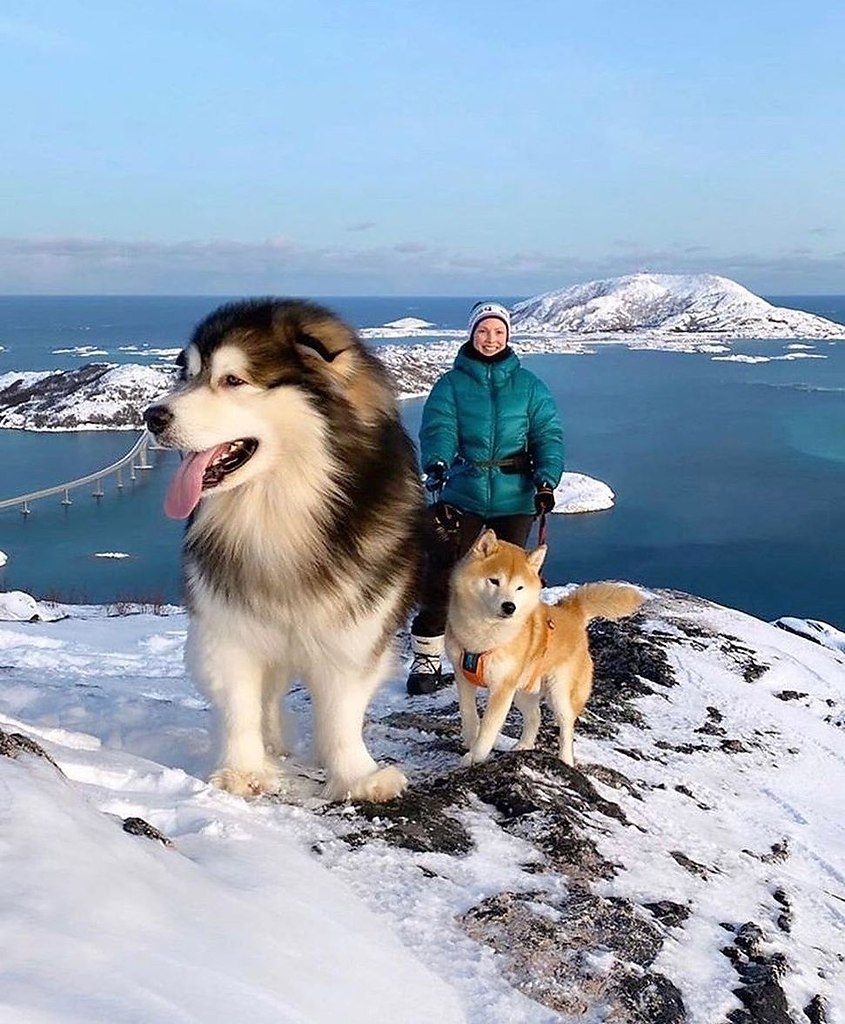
(695, 864)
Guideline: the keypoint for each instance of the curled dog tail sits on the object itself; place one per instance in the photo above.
(603, 600)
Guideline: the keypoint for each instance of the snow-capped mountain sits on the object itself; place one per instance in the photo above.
(687, 871)
(668, 303)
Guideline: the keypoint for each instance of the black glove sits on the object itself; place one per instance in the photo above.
(544, 499)
(435, 476)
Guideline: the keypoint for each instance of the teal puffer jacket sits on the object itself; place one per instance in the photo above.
(481, 412)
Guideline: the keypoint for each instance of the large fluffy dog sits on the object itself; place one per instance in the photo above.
(301, 552)
(501, 636)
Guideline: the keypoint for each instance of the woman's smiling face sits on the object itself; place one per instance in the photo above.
(490, 336)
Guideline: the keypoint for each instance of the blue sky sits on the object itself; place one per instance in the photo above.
(333, 147)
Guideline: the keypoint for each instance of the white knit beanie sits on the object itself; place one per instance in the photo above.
(482, 310)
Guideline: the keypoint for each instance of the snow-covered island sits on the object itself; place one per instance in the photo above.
(701, 313)
(664, 305)
(687, 871)
(577, 493)
(408, 324)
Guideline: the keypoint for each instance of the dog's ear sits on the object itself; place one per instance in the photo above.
(326, 339)
(334, 349)
(537, 557)
(486, 544)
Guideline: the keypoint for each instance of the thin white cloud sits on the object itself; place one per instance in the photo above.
(229, 266)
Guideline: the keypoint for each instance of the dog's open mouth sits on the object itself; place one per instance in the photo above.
(203, 471)
(228, 458)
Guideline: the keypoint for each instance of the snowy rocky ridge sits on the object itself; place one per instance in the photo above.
(97, 396)
(688, 871)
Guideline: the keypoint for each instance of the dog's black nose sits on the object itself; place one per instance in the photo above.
(508, 607)
(157, 418)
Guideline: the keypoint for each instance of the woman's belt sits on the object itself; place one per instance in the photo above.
(520, 462)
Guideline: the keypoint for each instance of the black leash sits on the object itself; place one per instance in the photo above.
(542, 529)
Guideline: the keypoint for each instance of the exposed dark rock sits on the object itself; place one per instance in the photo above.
(13, 744)
(626, 661)
(547, 945)
(446, 723)
(669, 913)
(784, 919)
(542, 800)
(710, 729)
(611, 777)
(744, 657)
(418, 821)
(139, 827)
(681, 788)
(523, 782)
(688, 864)
(791, 695)
(733, 747)
(698, 637)
(651, 998)
(534, 795)
(761, 994)
(682, 748)
(778, 852)
(816, 1010)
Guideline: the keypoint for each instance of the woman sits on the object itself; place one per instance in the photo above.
(492, 447)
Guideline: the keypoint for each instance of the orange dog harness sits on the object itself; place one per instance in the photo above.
(472, 666)
(472, 663)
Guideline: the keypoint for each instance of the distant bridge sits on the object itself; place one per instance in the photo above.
(133, 462)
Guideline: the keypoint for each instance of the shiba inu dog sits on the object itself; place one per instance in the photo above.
(501, 636)
(301, 554)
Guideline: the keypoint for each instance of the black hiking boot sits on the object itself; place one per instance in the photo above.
(426, 676)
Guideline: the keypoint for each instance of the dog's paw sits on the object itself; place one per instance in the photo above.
(278, 750)
(247, 783)
(472, 757)
(524, 745)
(379, 786)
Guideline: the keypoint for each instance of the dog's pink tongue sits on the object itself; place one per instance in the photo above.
(185, 488)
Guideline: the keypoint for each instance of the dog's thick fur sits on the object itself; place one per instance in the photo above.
(302, 560)
(527, 649)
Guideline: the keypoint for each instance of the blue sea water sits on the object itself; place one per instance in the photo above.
(729, 476)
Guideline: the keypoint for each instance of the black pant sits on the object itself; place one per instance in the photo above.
(444, 548)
